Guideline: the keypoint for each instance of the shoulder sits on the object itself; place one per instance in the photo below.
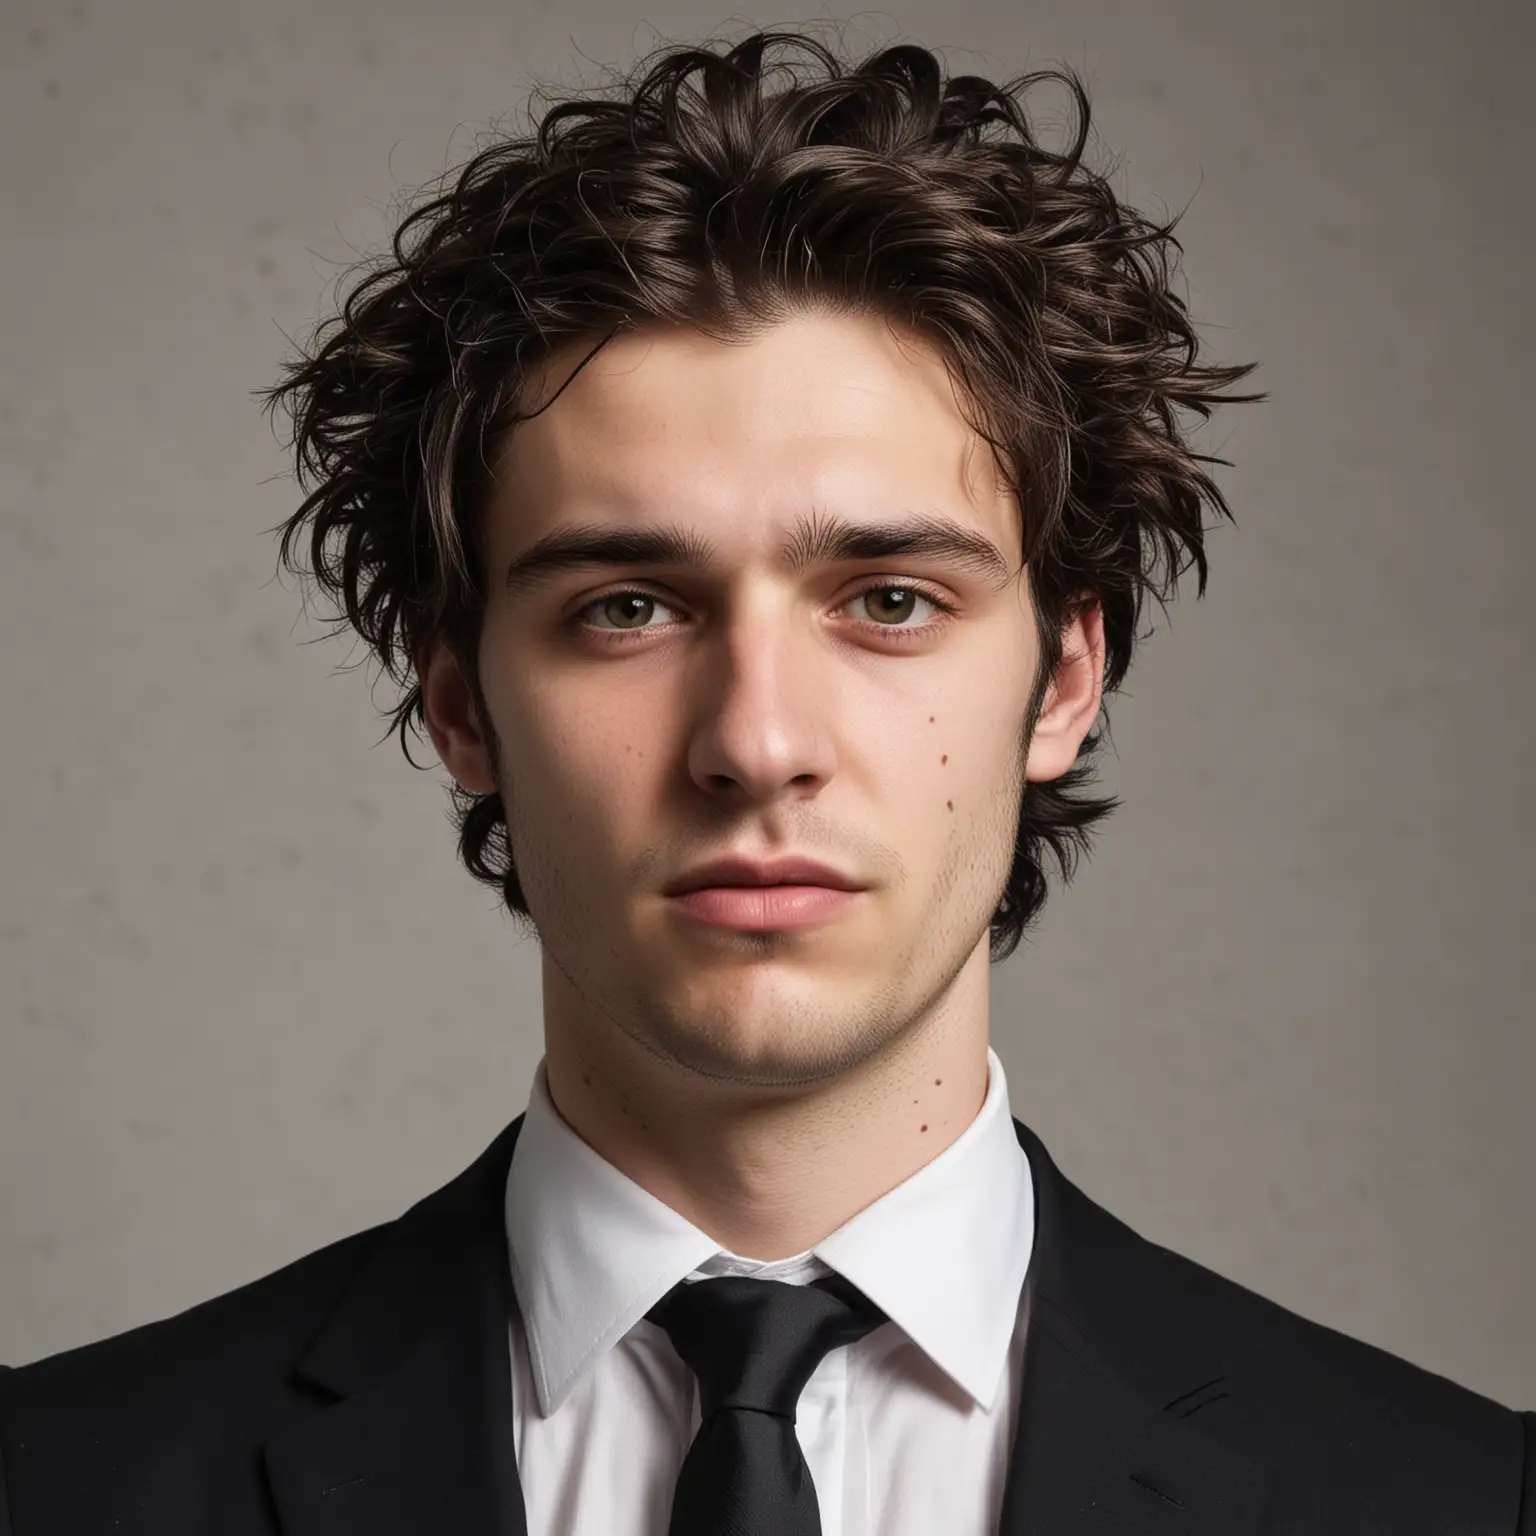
(1357, 1437)
(176, 1406)
(256, 1330)
(1345, 1435)
(162, 1428)
(1299, 1360)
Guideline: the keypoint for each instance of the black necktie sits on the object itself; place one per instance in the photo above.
(753, 1345)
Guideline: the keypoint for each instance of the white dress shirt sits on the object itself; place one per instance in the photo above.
(906, 1432)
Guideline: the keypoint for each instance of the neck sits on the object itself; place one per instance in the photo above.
(770, 1173)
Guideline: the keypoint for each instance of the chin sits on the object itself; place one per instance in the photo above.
(791, 1050)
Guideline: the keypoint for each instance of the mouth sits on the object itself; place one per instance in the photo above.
(763, 908)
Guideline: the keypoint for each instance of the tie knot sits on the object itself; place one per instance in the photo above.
(755, 1343)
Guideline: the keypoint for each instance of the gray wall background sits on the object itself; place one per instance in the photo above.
(1281, 1021)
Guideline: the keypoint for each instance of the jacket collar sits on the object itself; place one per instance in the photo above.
(414, 1363)
(414, 1369)
(1113, 1376)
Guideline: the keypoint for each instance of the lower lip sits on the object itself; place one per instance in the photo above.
(764, 908)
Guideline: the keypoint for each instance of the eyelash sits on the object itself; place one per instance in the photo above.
(619, 636)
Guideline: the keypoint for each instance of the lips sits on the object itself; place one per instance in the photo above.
(764, 908)
(742, 872)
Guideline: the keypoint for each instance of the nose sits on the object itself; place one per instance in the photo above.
(763, 705)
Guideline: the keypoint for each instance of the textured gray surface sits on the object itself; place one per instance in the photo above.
(1281, 1021)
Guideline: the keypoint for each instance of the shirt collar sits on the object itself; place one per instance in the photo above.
(944, 1254)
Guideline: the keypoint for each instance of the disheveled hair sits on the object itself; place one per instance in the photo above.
(695, 194)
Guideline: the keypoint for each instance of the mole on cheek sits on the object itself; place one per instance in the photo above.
(950, 804)
(943, 759)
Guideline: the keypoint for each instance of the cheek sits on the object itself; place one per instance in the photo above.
(585, 760)
(967, 761)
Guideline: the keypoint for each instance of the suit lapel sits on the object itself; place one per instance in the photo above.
(1104, 1443)
(414, 1362)
(417, 1433)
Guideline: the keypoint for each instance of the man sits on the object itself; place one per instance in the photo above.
(760, 487)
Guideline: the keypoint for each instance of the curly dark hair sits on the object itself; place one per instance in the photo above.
(882, 188)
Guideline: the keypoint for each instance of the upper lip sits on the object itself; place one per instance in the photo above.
(740, 871)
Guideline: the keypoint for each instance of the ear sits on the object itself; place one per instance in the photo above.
(451, 718)
(1072, 697)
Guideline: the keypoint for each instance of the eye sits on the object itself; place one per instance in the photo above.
(905, 593)
(622, 606)
(628, 608)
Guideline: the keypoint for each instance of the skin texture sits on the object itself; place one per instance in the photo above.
(766, 1086)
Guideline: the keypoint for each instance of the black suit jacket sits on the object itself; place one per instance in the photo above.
(366, 1389)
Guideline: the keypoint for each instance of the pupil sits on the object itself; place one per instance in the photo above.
(881, 592)
(627, 601)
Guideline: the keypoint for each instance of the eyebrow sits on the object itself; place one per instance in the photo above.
(814, 538)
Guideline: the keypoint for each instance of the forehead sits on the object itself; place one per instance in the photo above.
(820, 409)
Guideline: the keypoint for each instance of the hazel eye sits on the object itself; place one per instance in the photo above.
(904, 605)
(621, 606)
(626, 610)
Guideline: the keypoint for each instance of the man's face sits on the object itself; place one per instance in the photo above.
(653, 715)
